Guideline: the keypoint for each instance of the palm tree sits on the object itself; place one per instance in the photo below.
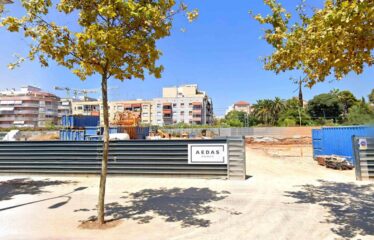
(263, 110)
(277, 107)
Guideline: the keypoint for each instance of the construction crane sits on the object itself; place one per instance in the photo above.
(85, 92)
(64, 89)
(78, 92)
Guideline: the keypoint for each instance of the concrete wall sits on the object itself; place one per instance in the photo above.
(278, 132)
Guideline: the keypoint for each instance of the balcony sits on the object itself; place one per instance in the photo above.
(167, 116)
(34, 105)
(196, 111)
(166, 106)
(34, 112)
(166, 111)
(7, 119)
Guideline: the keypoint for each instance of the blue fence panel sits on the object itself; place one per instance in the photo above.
(74, 121)
(92, 130)
(72, 135)
(338, 140)
(317, 142)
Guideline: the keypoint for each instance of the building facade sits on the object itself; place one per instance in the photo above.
(64, 107)
(28, 107)
(184, 104)
(139, 107)
(241, 106)
(32, 107)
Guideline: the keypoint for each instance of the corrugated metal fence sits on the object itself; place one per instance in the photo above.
(364, 156)
(140, 157)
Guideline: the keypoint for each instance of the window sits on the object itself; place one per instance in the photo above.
(190, 104)
(182, 104)
(182, 113)
(174, 105)
(190, 113)
(158, 105)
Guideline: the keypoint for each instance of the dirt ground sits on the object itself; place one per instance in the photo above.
(286, 196)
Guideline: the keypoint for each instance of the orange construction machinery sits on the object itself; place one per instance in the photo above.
(127, 119)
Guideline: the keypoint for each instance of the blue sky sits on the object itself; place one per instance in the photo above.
(220, 52)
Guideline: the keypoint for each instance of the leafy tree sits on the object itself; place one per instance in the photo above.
(293, 114)
(326, 106)
(337, 38)
(347, 99)
(371, 96)
(360, 114)
(114, 39)
(238, 119)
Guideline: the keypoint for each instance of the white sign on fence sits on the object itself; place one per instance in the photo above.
(207, 154)
(363, 144)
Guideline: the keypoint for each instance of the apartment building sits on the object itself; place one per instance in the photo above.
(64, 107)
(138, 107)
(184, 104)
(87, 108)
(28, 107)
(241, 106)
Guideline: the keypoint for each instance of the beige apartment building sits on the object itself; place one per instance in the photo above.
(28, 107)
(241, 106)
(94, 108)
(184, 104)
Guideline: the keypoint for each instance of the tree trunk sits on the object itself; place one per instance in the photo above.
(104, 162)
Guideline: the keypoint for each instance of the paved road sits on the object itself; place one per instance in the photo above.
(286, 198)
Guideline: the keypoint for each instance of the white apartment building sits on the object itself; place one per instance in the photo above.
(28, 107)
(184, 104)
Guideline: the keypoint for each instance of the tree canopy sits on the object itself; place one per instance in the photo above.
(337, 38)
(371, 96)
(116, 38)
(111, 38)
(325, 106)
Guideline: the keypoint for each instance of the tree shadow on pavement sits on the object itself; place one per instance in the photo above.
(13, 187)
(173, 205)
(350, 206)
